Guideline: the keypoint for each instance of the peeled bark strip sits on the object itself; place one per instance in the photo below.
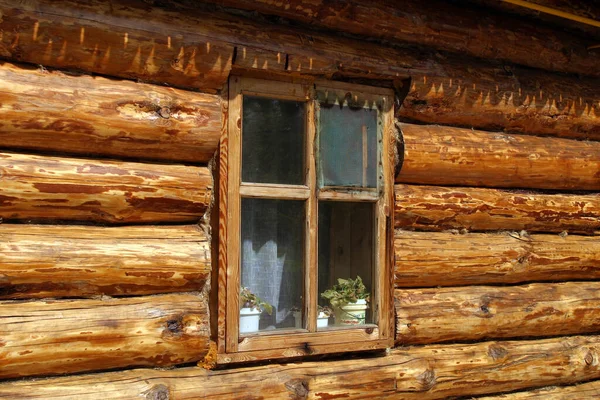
(476, 209)
(104, 41)
(64, 336)
(518, 100)
(44, 110)
(419, 373)
(54, 188)
(589, 390)
(478, 32)
(437, 155)
(39, 261)
(484, 312)
(431, 259)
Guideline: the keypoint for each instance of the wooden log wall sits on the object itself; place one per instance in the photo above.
(497, 226)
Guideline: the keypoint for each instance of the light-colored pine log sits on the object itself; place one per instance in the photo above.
(55, 337)
(50, 111)
(438, 155)
(478, 209)
(431, 259)
(464, 314)
(413, 373)
(42, 188)
(588, 390)
(39, 261)
(477, 32)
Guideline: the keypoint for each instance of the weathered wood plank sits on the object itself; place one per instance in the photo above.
(39, 261)
(512, 100)
(43, 110)
(588, 390)
(44, 188)
(477, 32)
(430, 259)
(437, 155)
(103, 39)
(478, 209)
(64, 336)
(485, 312)
(423, 373)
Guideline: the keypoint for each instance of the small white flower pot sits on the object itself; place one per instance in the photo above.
(351, 313)
(322, 320)
(249, 319)
(297, 319)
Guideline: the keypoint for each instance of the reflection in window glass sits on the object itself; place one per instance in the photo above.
(346, 251)
(272, 259)
(273, 141)
(347, 146)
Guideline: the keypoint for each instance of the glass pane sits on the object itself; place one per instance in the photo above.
(273, 141)
(346, 251)
(347, 146)
(272, 246)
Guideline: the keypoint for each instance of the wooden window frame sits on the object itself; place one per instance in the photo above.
(291, 343)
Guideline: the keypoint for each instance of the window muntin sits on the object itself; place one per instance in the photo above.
(284, 340)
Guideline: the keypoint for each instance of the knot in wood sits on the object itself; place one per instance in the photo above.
(164, 112)
(175, 325)
(158, 392)
(589, 358)
(427, 379)
(497, 352)
(298, 387)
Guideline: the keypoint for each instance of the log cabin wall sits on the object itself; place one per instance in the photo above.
(105, 257)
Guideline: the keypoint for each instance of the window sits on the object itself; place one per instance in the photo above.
(307, 205)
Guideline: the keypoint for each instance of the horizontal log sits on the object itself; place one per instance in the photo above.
(471, 313)
(39, 261)
(534, 103)
(437, 155)
(44, 188)
(588, 390)
(65, 336)
(43, 110)
(478, 209)
(423, 373)
(477, 32)
(431, 259)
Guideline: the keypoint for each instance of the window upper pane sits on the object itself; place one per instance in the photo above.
(347, 146)
(272, 259)
(273, 141)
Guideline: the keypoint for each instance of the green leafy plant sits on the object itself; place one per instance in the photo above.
(346, 291)
(250, 300)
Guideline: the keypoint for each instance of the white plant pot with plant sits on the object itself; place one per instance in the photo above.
(252, 307)
(297, 317)
(349, 299)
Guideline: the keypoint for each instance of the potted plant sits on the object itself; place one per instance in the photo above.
(323, 317)
(349, 298)
(297, 316)
(251, 306)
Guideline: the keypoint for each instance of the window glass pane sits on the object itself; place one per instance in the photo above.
(273, 141)
(272, 246)
(347, 146)
(346, 251)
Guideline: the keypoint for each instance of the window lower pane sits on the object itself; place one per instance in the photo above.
(346, 251)
(272, 263)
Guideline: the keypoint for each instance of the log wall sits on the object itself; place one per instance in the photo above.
(497, 226)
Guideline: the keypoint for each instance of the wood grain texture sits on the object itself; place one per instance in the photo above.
(471, 313)
(73, 261)
(51, 111)
(105, 39)
(588, 390)
(437, 155)
(431, 259)
(412, 373)
(54, 337)
(477, 32)
(437, 208)
(44, 188)
(513, 100)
